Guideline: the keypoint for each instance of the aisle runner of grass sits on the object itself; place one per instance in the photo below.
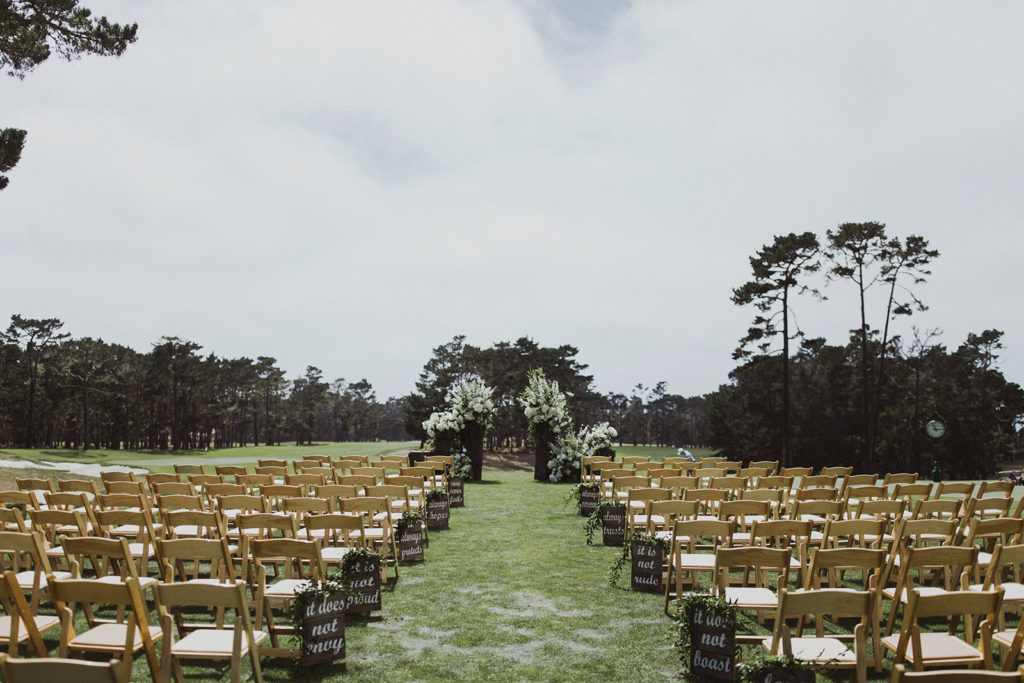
(512, 592)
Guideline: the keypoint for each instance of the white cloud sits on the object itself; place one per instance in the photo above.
(350, 184)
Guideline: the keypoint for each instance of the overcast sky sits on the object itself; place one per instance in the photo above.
(350, 184)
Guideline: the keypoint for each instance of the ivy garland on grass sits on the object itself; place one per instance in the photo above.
(714, 604)
(576, 492)
(613, 577)
(593, 522)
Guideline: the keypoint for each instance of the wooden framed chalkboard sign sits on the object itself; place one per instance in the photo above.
(456, 492)
(645, 566)
(360, 570)
(707, 637)
(323, 629)
(438, 511)
(590, 497)
(409, 531)
(613, 524)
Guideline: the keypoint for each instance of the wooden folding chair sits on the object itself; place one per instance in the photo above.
(47, 670)
(758, 566)
(684, 566)
(1005, 569)
(820, 650)
(302, 563)
(338, 532)
(123, 637)
(25, 556)
(21, 623)
(216, 642)
(945, 649)
(949, 564)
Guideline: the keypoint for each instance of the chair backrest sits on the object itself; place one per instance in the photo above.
(56, 669)
(271, 462)
(192, 523)
(741, 509)
(816, 493)
(963, 489)
(275, 494)
(772, 465)
(184, 559)
(762, 562)
(862, 480)
(179, 502)
(853, 533)
(264, 524)
(937, 508)
(303, 559)
(776, 482)
(230, 470)
(189, 469)
(1004, 530)
(20, 615)
(950, 604)
(679, 484)
(900, 478)
(107, 556)
(870, 561)
(662, 514)
(818, 481)
(686, 532)
(109, 476)
(337, 529)
(242, 502)
(122, 487)
(796, 471)
(86, 486)
(253, 482)
(173, 488)
(838, 471)
(214, 491)
(272, 470)
(910, 491)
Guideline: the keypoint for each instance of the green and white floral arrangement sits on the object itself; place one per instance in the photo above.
(544, 404)
(462, 466)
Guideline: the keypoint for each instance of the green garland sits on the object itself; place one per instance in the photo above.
(712, 603)
(593, 522)
(437, 494)
(613, 577)
(410, 518)
(757, 667)
(575, 493)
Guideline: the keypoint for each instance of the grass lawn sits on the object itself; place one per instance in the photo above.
(164, 461)
(511, 592)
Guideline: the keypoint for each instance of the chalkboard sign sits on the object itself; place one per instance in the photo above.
(410, 544)
(364, 586)
(783, 674)
(613, 524)
(456, 493)
(437, 514)
(588, 501)
(645, 573)
(416, 457)
(323, 629)
(712, 643)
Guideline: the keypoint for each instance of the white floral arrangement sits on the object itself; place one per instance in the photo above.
(543, 403)
(471, 400)
(597, 437)
(462, 466)
(565, 465)
(442, 422)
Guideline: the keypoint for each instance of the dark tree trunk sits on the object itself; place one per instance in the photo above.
(543, 438)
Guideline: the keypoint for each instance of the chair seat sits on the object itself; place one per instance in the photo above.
(212, 643)
(1004, 638)
(111, 638)
(905, 595)
(749, 597)
(26, 579)
(937, 647)
(1012, 592)
(185, 530)
(334, 554)
(142, 549)
(984, 558)
(286, 588)
(819, 650)
(145, 582)
(696, 561)
(43, 624)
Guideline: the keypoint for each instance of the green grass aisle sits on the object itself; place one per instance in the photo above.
(512, 592)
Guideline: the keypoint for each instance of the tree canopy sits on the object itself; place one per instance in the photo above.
(32, 30)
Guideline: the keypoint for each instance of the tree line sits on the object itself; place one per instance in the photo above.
(645, 416)
(84, 393)
(866, 402)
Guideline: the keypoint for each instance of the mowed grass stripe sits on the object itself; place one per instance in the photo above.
(512, 592)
